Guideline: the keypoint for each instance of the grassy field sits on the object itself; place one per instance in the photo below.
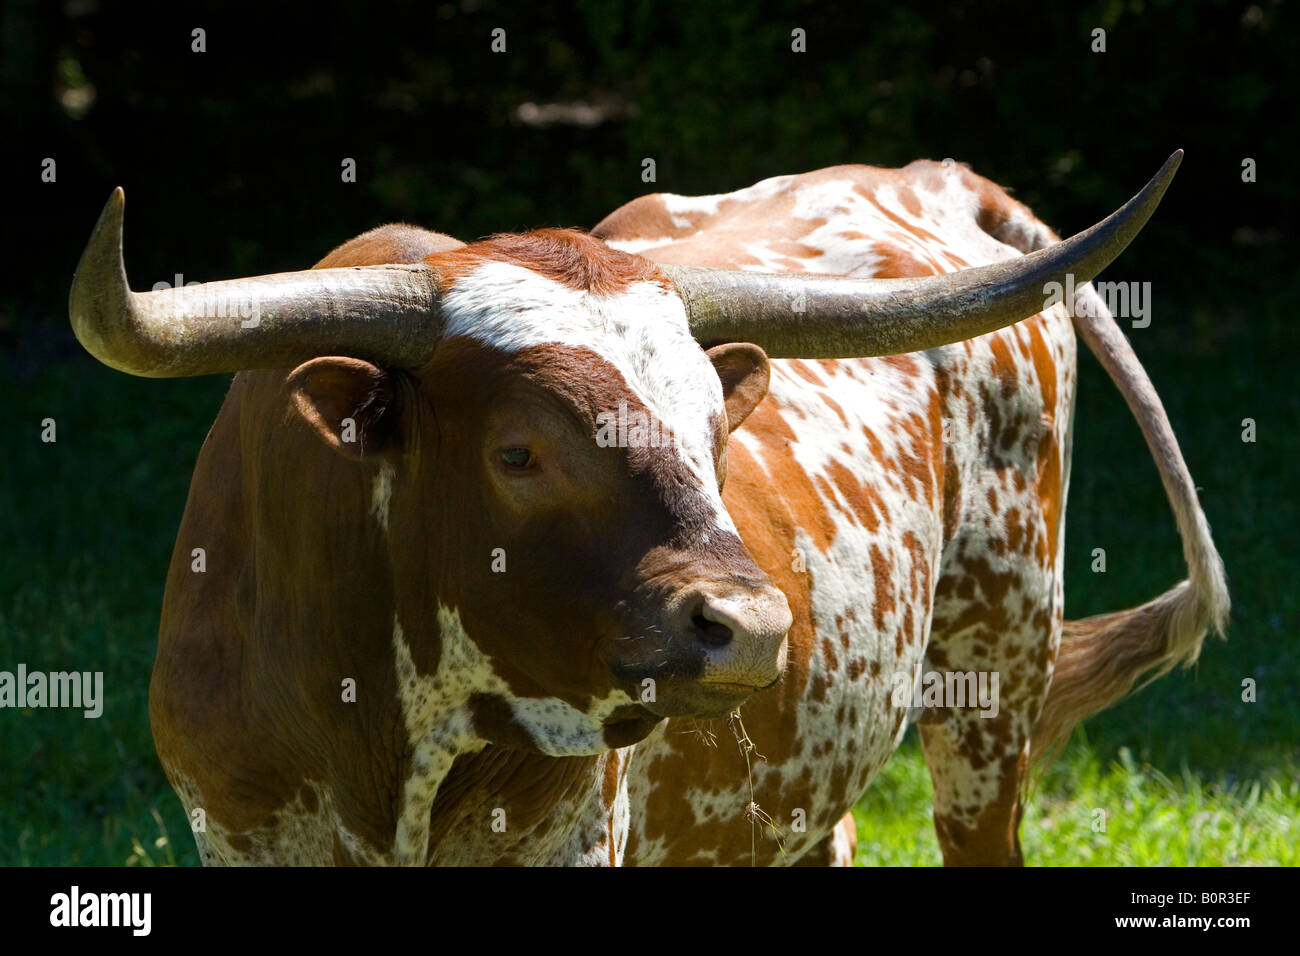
(1193, 819)
(1186, 773)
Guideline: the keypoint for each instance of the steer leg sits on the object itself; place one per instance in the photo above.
(977, 773)
(979, 759)
(1000, 595)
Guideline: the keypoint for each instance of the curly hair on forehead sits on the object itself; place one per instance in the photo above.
(575, 259)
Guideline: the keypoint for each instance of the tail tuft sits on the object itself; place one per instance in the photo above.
(1106, 657)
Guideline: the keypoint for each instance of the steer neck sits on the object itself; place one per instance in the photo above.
(467, 802)
(439, 727)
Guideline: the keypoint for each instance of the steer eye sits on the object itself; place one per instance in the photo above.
(516, 459)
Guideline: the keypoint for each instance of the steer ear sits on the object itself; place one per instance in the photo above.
(350, 404)
(744, 372)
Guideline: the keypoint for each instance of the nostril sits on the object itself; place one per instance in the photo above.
(711, 633)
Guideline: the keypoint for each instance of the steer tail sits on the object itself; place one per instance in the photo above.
(1102, 658)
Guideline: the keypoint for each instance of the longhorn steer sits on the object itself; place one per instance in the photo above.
(404, 495)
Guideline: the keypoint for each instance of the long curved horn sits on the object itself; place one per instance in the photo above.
(388, 314)
(844, 317)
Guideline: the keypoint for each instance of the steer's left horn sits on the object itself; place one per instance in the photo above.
(843, 317)
(388, 314)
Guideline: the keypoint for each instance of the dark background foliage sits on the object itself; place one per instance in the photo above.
(231, 163)
(231, 158)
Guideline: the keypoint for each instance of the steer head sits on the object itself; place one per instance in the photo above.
(546, 422)
(577, 433)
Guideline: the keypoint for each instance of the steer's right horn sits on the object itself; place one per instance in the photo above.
(388, 314)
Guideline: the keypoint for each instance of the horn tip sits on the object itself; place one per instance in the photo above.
(112, 214)
(106, 238)
(1167, 169)
(1154, 191)
(99, 277)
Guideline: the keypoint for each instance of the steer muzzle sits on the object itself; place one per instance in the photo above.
(712, 647)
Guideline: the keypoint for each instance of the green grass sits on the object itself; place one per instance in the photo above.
(91, 519)
(1186, 772)
(1145, 819)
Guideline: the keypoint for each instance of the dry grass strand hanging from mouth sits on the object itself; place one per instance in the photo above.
(755, 814)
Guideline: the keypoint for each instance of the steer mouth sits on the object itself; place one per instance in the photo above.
(628, 725)
(682, 685)
(704, 699)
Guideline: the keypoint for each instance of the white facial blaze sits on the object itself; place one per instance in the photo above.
(641, 331)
